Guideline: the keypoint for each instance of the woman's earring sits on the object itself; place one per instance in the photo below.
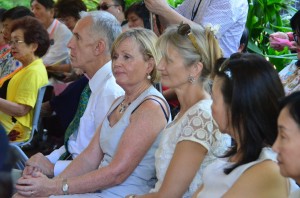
(148, 77)
(191, 79)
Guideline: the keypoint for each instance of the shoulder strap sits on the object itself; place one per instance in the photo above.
(165, 113)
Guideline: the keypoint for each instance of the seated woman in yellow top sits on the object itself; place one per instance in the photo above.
(29, 41)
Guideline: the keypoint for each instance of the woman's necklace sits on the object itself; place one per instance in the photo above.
(123, 107)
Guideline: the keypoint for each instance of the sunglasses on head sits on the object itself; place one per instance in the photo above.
(185, 30)
(105, 6)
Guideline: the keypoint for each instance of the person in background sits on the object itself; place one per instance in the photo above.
(245, 105)
(10, 66)
(67, 11)
(90, 51)
(116, 8)
(288, 139)
(59, 34)
(29, 41)
(244, 41)
(138, 15)
(120, 158)
(290, 74)
(227, 18)
(192, 140)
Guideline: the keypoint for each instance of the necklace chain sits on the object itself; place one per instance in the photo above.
(123, 107)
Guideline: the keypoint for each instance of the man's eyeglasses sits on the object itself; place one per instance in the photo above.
(185, 30)
(105, 6)
(15, 42)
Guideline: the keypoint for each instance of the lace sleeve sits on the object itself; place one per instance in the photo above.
(198, 126)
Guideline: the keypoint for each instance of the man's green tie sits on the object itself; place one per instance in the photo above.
(73, 126)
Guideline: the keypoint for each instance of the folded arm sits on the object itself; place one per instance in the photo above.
(145, 124)
(14, 109)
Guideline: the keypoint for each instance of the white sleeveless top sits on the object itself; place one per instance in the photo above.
(217, 183)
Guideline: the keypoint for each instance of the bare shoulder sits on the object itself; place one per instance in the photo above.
(261, 180)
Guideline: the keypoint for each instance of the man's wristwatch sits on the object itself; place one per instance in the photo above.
(65, 187)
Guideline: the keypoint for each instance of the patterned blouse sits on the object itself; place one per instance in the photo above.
(196, 125)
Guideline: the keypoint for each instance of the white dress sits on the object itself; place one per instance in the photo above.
(196, 125)
(216, 183)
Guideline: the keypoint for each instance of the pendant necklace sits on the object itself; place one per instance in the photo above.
(123, 107)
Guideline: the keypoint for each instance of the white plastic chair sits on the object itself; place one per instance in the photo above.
(36, 116)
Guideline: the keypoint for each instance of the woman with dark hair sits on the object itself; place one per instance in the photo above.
(9, 66)
(138, 15)
(67, 11)
(29, 41)
(245, 96)
(288, 139)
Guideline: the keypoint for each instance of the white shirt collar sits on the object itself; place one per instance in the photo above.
(100, 76)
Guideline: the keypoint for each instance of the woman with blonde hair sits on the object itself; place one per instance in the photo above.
(192, 140)
(120, 158)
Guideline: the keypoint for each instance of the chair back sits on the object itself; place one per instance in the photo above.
(20, 155)
(36, 115)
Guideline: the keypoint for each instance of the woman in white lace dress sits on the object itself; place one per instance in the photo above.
(192, 140)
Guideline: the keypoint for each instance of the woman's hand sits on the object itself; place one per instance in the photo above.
(157, 6)
(41, 163)
(37, 185)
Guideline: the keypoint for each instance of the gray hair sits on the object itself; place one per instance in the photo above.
(104, 25)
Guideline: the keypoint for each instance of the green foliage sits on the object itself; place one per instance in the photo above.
(130, 2)
(264, 18)
(175, 3)
(91, 4)
(7, 4)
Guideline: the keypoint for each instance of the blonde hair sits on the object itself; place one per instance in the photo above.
(146, 40)
(207, 52)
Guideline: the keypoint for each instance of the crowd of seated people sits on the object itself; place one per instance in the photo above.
(120, 136)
